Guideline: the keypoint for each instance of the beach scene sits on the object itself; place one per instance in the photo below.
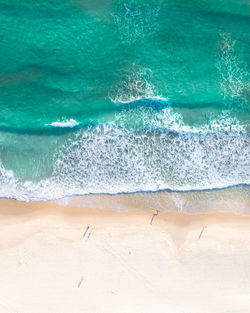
(124, 156)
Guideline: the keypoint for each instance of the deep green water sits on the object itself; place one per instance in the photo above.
(119, 96)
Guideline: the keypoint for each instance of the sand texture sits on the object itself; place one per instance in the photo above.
(51, 263)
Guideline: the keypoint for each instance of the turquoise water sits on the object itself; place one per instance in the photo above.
(109, 96)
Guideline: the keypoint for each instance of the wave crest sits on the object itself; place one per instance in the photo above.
(67, 123)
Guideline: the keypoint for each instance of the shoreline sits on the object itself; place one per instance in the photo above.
(52, 262)
(240, 186)
(233, 199)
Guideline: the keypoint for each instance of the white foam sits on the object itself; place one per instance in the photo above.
(232, 71)
(122, 156)
(135, 85)
(136, 20)
(113, 158)
(169, 119)
(138, 98)
(67, 123)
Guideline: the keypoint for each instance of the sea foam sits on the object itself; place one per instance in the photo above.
(142, 150)
(67, 123)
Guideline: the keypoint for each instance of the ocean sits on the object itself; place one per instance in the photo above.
(123, 96)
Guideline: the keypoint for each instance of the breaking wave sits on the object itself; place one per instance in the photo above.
(67, 123)
(142, 150)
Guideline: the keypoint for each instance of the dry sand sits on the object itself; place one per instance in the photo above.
(122, 264)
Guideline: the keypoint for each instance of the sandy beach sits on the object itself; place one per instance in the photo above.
(64, 259)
